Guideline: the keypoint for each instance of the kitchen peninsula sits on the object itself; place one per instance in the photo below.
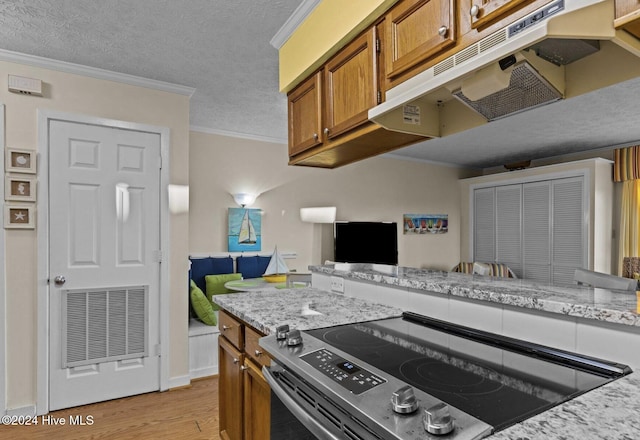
(609, 412)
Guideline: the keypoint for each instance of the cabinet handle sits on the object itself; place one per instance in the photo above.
(442, 31)
(225, 328)
(315, 136)
(235, 360)
(258, 353)
(244, 367)
(475, 10)
(326, 131)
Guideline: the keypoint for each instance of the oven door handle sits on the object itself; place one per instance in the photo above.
(311, 423)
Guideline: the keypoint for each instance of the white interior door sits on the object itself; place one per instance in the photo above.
(104, 217)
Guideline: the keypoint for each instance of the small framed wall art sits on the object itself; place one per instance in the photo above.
(20, 188)
(20, 161)
(425, 223)
(18, 216)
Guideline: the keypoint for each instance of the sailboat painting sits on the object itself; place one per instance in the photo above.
(245, 229)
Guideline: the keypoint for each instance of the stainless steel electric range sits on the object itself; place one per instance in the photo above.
(416, 377)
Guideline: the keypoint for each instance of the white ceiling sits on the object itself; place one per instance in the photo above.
(222, 49)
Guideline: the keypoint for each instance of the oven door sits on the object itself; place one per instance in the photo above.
(300, 412)
(289, 420)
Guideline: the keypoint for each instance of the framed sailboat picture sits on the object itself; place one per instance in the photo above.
(245, 229)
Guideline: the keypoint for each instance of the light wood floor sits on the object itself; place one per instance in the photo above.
(187, 413)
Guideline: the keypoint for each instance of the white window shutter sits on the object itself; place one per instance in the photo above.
(509, 227)
(569, 228)
(537, 231)
(484, 237)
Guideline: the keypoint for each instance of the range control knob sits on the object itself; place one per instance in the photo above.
(281, 331)
(404, 400)
(437, 419)
(294, 338)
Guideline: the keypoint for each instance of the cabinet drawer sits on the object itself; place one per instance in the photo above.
(253, 349)
(231, 329)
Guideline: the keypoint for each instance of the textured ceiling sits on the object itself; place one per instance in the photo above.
(601, 119)
(221, 48)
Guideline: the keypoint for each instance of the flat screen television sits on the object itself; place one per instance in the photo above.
(366, 242)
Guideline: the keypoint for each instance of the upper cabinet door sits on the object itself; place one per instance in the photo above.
(351, 85)
(305, 115)
(487, 11)
(628, 16)
(417, 30)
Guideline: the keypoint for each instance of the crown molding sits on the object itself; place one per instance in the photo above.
(253, 137)
(292, 23)
(94, 72)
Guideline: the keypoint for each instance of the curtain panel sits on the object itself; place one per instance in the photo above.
(626, 169)
(629, 244)
(626, 164)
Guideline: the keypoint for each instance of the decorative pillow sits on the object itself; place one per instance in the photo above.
(481, 269)
(463, 267)
(499, 270)
(215, 285)
(202, 306)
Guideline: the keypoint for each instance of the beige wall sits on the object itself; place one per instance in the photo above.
(106, 99)
(380, 189)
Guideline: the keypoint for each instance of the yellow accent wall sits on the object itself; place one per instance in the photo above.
(329, 26)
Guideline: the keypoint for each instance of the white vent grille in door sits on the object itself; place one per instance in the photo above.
(104, 325)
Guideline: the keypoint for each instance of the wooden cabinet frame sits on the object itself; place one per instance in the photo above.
(244, 395)
(416, 30)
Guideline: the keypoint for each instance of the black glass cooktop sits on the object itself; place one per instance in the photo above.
(486, 378)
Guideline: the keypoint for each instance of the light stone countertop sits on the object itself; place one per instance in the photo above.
(615, 306)
(266, 310)
(611, 412)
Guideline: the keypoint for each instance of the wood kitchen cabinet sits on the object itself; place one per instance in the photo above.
(305, 115)
(257, 393)
(483, 12)
(230, 389)
(328, 112)
(416, 30)
(628, 16)
(244, 395)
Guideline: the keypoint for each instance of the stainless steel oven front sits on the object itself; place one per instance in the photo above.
(419, 378)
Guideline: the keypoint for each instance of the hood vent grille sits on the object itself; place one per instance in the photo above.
(526, 90)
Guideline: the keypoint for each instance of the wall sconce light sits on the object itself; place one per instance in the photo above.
(325, 214)
(178, 198)
(244, 199)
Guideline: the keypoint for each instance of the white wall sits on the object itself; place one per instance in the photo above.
(71, 93)
(377, 189)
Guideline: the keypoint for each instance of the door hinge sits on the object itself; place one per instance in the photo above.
(379, 97)
(157, 256)
(157, 350)
(378, 45)
(160, 161)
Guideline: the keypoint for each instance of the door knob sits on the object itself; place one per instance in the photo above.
(59, 280)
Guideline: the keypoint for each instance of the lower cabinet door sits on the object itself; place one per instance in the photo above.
(230, 390)
(257, 403)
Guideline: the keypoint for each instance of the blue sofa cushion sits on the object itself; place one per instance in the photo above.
(252, 267)
(209, 266)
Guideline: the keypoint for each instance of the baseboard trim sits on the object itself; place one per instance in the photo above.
(25, 411)
(203, 372)
(179, 381)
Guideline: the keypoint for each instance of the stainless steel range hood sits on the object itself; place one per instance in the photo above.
(522, 66)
